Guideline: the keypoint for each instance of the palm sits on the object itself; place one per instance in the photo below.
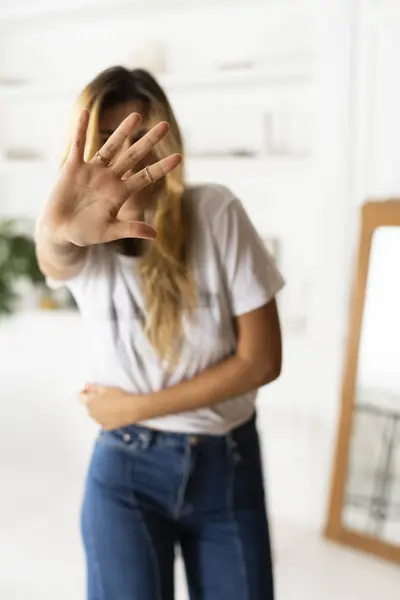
(84, 203)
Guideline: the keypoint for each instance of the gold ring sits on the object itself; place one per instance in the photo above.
(106, 161)
(148, 176)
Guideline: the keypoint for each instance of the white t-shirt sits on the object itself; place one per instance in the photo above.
(235, 275)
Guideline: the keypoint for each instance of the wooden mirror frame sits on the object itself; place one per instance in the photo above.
(373, 215)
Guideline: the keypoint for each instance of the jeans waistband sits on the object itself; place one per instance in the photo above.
(149, 436)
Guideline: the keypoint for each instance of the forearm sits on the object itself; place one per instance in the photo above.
(232, 377)
(57, 259)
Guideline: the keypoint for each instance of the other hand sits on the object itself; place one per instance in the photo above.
(110, 407)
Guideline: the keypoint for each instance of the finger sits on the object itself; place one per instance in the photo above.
(128, 174)
(138, 150)
(156, 171)
(90, 387)
(84, 398)
(117, 139)
(79, 140)
(129, 229)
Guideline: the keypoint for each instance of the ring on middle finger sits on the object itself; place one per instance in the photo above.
(148, 175)
(105, 161)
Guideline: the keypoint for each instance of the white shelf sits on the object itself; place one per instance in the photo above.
(288, 74)
(39, 90)
(384, 6)
(16, 166)
(273, 74)
(60, 8)
(39, 8)
(259, 165)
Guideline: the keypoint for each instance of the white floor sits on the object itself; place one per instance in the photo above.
(43, 561)
(41, 556)
(45, 439)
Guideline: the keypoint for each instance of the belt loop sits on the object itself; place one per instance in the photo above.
(152, 437)
(145, 438)
(232, 448)
(194, 440)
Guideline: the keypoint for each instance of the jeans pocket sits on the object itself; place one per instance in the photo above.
(245, 447)
(113, 438)
(247, 470)
(131, 439)
(110, 461)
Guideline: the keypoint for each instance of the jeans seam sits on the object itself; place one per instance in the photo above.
(99, 587)
(151, 546)
(237, 539)
(185, 479)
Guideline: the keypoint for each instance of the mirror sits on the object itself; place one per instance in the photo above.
(372, 497)
(365, 503)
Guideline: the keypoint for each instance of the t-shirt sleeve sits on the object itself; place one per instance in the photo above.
(78, 283)
(252, 277)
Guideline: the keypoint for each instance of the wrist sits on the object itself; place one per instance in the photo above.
(46, 236)
(134, 407)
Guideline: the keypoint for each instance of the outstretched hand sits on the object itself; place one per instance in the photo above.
(84, 204)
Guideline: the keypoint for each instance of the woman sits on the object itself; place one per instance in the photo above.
(182, 330)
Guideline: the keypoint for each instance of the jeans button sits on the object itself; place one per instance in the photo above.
(194, 440)
(127, 437)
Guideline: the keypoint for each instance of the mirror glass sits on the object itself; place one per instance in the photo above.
(372, 496)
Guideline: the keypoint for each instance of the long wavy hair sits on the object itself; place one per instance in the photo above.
(167, 282)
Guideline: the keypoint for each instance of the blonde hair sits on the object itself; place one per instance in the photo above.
(167, 281)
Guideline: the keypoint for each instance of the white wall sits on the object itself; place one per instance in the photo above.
(308, 203)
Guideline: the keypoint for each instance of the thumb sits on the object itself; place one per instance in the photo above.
(91, 387)
(130, 229)
(83, 398)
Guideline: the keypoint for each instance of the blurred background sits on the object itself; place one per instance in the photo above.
(294, 105)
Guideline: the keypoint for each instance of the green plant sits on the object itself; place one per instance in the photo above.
(17, 262)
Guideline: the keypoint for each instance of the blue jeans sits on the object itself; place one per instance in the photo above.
(148, 492)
